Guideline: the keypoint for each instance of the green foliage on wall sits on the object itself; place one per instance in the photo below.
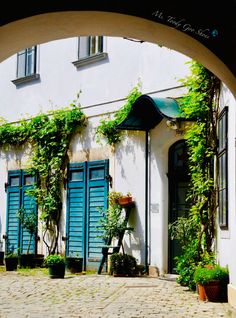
(200, 102)
(107, 127)
(49, 135)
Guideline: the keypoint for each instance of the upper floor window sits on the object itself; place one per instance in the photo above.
(26, 66)
(90, 50)
(26, 62)
(89, 45)
(223, 168)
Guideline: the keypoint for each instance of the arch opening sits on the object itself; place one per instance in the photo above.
(46, 27)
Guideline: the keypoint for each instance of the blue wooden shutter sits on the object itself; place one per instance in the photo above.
(13, 205)
(75, 230)
(97, 189)
(17, 237)
(29, 203)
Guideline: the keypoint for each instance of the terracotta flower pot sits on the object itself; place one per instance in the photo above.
(201, 292)
(125, 200)
(210, 291)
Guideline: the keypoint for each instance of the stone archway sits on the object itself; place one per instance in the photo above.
(201, 33)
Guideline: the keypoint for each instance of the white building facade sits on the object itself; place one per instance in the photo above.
(103, 71)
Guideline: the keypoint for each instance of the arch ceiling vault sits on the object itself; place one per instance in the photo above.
(203, 30)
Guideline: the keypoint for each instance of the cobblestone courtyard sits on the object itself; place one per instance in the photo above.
(38, 296)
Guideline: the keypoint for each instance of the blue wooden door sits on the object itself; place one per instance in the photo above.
(76, 209)
(29, 204)
(17, 197)
(86, 197)
(13, 205)
(97, 190)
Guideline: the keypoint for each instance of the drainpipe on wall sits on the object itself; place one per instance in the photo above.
(146, 200)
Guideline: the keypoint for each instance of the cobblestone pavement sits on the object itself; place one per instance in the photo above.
(104, 296)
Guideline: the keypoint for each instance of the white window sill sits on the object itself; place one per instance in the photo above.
(90, 59)
(25, 79)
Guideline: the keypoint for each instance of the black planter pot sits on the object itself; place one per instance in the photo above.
(74, 264)
(11, 263)
(39, 260)
(26, 261)
(56, 270)
(1, 258)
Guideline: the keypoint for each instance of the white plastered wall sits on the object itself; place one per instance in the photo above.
(129, 173)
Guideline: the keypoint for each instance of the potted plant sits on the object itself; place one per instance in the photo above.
(39, 260)
(122, 265)
(212, 282)
(1, 253)
(28, 219)
(113, 197)
(1, 258)
(113, 224)
(112, 227)
(11, 261)
(125, 199)
(56, 265)
(74, 263)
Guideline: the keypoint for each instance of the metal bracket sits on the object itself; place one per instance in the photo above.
(6, 186)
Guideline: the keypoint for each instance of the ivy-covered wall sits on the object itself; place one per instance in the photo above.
(48, 138)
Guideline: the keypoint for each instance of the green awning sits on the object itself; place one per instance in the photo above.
(147, 112)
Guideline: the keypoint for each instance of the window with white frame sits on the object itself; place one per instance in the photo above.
(223, 168)
(26, 62)
(26, 66)
(90, 50)
(89, 45)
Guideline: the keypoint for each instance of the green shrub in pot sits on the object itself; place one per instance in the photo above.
(56, 265)
(212, 281)
(122, 264)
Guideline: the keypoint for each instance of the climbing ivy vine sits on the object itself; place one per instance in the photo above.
(201, 102)
(49, 137)
(107, 127)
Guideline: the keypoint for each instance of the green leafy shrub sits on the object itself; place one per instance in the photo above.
(29, 221)
(113, 197)
(186, 266)
(54, 259)
(107, 127)
(196, 234)
(10, 255)
(203, 275)
(123, 264)
(113, 223)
